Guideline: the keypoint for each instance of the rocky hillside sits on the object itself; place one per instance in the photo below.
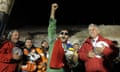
(108, 31)
(39, 34)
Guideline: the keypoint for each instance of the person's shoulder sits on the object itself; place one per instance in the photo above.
(106, 39)
(6, 43)
(87, 40)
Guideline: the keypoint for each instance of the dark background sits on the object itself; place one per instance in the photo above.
(29, 13)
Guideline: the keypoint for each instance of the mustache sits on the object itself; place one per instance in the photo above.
(63, 37)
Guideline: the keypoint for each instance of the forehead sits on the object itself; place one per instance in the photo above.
(15, 32)
(92, 27)
(76, 45)
(28, 40)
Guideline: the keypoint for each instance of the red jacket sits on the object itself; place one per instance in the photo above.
(57, 58)
(94, 64)
(6, 56)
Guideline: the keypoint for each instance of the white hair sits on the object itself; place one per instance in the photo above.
(93, 25)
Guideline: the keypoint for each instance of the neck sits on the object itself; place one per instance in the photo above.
(64, 42)
(28, 47)
(94, 37)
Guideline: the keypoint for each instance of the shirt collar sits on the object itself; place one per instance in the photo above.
(95, 39)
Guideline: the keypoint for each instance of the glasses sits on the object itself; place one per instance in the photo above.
(64, 33)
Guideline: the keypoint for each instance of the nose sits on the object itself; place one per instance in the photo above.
(63, 35)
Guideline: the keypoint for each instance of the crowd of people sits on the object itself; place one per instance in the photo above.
(57, 54)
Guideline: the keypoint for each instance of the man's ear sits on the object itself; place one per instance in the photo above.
(58, 36)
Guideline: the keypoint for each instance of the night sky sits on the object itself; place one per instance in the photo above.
(70, 12)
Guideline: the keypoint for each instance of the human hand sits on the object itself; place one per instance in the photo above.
(99, 50)
(54, 6)
(16, 56)
(91, 54)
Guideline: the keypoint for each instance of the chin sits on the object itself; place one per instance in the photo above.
(15, 41)
(92, 36)
(63, 40)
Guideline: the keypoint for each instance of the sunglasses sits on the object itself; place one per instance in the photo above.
(64, 33)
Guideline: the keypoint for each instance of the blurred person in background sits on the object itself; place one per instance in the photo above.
(43, 52)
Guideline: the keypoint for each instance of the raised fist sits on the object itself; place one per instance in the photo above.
(91, 54)
(54, 6)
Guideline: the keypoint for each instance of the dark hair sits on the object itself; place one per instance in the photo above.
(45, 49)
(67, 29)
(29, 38)
(115, 42)
(43, 41)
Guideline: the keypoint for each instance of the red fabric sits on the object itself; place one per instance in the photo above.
(94, 64)
(57, 56)
(6, 56)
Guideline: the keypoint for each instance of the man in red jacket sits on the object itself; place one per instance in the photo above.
(57, 45)
(8, 58)
(94, 49)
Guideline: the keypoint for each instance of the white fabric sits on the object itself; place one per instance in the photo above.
(94, 41)
(99, 44)
(34, 57)
(69, 54)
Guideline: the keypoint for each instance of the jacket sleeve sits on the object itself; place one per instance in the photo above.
(83, 53)
(6, 52)
(107, 50)
(51, 34)
(52, 30)
(57, 56)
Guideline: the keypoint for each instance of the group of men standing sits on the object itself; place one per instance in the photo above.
(92, 55)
